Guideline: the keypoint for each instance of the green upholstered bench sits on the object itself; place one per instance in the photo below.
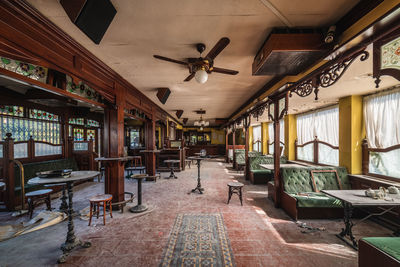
(259, 175)
(379, 251)
(30, 170)
(300, 198)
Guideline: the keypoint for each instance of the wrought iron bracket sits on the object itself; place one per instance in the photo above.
(327, 76)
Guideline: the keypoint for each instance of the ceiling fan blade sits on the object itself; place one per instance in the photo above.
(222, 43)
(188, 78)
(225, 71)
(171, 60)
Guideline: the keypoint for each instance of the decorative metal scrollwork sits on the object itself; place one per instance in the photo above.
(326, 77)
(336, 71)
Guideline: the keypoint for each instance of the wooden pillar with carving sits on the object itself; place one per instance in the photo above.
(150, 145)
(8, 170)
(246, 125)
(113, 146)
(233, 143)
(226, 145)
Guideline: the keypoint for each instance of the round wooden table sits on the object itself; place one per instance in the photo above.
(71, 241)
(171, 163)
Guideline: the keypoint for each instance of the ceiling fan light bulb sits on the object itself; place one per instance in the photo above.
(201, 76)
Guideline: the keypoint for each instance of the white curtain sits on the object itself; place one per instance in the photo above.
(382, 124)
(382, 119)
(325, 125)
(271, 134)
(257, 146)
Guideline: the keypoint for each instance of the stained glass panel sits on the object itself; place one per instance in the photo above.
(34, 72)
(92, 123)
(78, 134)
(42, 149)
(42, 115)
(12, 110)
(77, 121)
(91, 134)
(390, 55)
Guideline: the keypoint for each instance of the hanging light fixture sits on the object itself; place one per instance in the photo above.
(201, 75)
(201, 122)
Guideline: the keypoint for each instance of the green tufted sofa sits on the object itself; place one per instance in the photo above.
(379, 251)
(30, 170)
(241, 158)
(300, 198)
(259, 175)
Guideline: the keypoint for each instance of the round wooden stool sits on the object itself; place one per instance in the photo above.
(104, 200)
(139, 207)
(235, 188)
(35, 196)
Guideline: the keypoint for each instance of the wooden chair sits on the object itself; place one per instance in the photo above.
(95, 202)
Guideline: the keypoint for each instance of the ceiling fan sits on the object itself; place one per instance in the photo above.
(201, 67)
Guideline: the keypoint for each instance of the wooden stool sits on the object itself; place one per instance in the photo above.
(98, 200)
(235, 188)
(35, 196)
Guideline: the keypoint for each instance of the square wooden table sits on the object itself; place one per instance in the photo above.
(356, 199)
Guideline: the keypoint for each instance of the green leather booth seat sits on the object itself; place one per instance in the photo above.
(302, 201)
(30, 170)
(259, 175)
(389, 245)
(316, 200)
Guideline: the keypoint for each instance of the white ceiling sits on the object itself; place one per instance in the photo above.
(170, 28)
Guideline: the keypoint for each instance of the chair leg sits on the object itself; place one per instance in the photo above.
(30, 207)
(229, 195)
(90, 213)
(240, 196)
(111, 209)
(48, 202)
(104, 213)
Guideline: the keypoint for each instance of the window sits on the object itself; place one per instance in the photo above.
(257, 144)
(134, 138)
(323, 124)
(382, 125)
(271, 135)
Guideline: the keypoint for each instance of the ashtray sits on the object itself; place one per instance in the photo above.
(55, 174)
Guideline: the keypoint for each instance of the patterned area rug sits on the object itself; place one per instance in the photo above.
(198, 240)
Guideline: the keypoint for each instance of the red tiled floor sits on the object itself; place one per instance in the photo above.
(260, 235)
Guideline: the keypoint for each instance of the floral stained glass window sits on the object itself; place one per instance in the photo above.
(91, 134)
(78, 134)
(42, 115)
(92, 123)
(22, 68)
(77, 121)
(12, 110)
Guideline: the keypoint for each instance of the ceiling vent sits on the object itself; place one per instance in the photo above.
(289, 51)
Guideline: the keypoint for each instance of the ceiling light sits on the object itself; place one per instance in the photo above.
(201, 75)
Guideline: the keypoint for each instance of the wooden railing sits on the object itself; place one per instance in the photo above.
(316, 156)
(273, 142)
(366, 151)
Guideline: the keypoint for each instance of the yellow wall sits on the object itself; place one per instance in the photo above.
(264, 137)
(290, 136)
(251, 138)
(351, 133)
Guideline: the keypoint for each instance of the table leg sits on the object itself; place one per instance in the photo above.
(72, 241)
(347, 231)
(64, 205)
(139, 207)
(198, 187)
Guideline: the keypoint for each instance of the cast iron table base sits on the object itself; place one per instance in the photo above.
(72, 241)
(139, 207)
(198, 187)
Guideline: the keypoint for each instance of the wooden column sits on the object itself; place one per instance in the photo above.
(226, 145)
(246, 124)
(277, 163)
(150, 145)
(8, 170)
(233, 145)
(113, 146)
